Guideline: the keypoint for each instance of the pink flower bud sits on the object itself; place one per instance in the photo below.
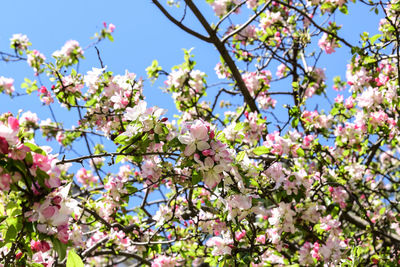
(56, 200)
(4, 145)
(18, 255)
(206, 152)
(43, 90)
(111, 27)
(45, 246)
(240, 235)
(36, 246)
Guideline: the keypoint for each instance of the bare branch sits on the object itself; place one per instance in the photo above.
(250, 20)
(179, 24)
(225, 55)
(228, 14)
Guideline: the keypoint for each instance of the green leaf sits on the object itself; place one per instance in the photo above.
(119, 158)
(41, 177)
(196, 178)
(334, 111)
(74, 260)
(239, 126)
(369, 60)
(35, 148)
(374, 38)
(261, 150)
(157, 138)
(11, 234)
(240, 156)
(121, 138)
(295, 122)
(91, 102)
(110, 37)
(344, 9)
(300, 152)
(382, 211)
(61, 249)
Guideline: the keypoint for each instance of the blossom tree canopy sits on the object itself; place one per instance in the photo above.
(249, 172)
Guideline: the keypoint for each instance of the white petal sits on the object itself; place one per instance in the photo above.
(202, 145)
(190, 149)
(186, 139)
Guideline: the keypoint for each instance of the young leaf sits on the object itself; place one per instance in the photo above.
(74, 260)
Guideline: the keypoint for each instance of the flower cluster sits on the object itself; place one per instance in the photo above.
(36, 60)
(69, 54)
(7, 85)
(211, 155)
(19, 42)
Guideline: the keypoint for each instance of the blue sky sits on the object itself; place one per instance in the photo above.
(142, 34)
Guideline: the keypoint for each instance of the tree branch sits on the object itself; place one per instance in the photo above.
(250, 20)
(315, 24)
(121, 253)
(179, 24)
(225, 55)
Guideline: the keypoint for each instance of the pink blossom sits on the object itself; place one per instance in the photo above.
(72, 84)
(42, 246)
(349, 102)
(280, 72)
(261, 239)
(304, 253)
(13, 123)
(196, 137)
(5, 181)
(339, 99)
(240, 201)
(60, 137)
(378, 118)
(333, 249)
(111, 27)
(28, 117)
(69, 47)
(369, 98)
(164, 261)
(49, 212)
(69, 52)
(339, 195)
(19, 41)
(327, 45)
(221, 71)
(85, 177)
(63, 233)
(252, 4)
(219, 6)
(40, 161)
(151, 169)
(307, 140)
(269, 19)
(328, 223)
(35, 59)
(282, 216)
(220, 245)
(211, 170)
(240, 235)
(7, 84)
(43, 258)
